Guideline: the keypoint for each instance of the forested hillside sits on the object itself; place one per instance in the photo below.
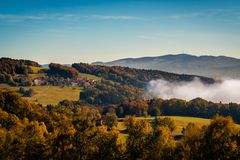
(125, 100)
(16, 72)
(134, 77)
(10, 68)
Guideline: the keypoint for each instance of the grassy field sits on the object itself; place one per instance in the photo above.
(81, 75)
(36, 69)
(39, 75)
(53, 94)
(49, 94)
(180, 122)
(89, 76)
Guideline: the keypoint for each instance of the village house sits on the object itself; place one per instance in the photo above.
(39, 82)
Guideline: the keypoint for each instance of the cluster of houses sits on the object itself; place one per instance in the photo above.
(43, 81)
(40, 82)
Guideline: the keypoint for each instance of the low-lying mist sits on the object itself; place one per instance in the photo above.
(225, 91)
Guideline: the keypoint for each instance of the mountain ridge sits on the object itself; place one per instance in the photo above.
(204, 65)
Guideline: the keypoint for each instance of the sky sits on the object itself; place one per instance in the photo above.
(65, 31)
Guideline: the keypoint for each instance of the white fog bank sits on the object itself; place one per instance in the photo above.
(227, 91)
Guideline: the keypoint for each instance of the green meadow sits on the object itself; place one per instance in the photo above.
(49, 94)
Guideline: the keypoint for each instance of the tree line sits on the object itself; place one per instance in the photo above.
(195, 108)
(127, 100)
(9, 68)
(58, 70)
(108, 92)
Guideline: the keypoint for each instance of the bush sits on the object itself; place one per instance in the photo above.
(26, 93)
(111, 120)
(167, 122)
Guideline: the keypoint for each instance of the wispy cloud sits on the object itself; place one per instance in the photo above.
(62, 17)
(66, 16)
(20, 18)
(109, 17)
(187, 15)
(220, 13)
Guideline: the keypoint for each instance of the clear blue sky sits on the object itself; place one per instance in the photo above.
(67, 31)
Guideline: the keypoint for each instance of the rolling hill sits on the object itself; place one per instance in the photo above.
(210, 66)
(135, 77)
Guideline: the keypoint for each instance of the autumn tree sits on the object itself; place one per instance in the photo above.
(222, 139)
(138, 140)
(166, 121)
(161, 144)
(219, 140)
(111, 120)
(191, 144)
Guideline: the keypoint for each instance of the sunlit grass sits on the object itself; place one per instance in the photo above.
(39, 75)
(48, 94)
(35, 69)
(180, 122)
(89, 76)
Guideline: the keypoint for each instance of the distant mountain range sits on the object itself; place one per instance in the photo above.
(210, 66)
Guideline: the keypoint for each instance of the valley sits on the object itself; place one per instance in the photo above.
(104, 104)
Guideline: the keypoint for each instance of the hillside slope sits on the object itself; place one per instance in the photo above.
(210, 66)
(135, 77)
